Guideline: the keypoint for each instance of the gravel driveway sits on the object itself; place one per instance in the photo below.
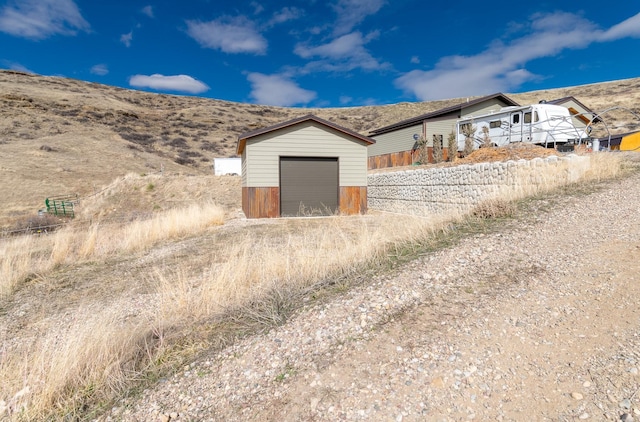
(538, 321)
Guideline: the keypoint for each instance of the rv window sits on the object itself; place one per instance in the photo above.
(465, 127)
(535, 116)
(516, 118)
(495, 124)
(527, 117)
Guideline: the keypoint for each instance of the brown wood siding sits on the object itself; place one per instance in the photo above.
(261, 202)
(353, 200)
(396, 159)
(445, 154)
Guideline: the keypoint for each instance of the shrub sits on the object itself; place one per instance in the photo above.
(452, 145)
(178, 143)
(494, 208)
(486, 140)
(138, 138)
(469, 131)
(41, 223)
(423, 154)
(437, 149)
(184, 161)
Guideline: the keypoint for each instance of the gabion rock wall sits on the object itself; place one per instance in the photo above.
(458, 189)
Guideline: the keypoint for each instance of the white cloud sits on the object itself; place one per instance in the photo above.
(352, 12)
(284, 15)
(344, 53)
(501, 66)
(16, 66)
(230, 35)
(278, 90)
(40, 19)
(126, 39)
(627, 28)
(257, 7)
(415, 60)
(345, 99)
(100, 69)
(148, 10)
(181, 83)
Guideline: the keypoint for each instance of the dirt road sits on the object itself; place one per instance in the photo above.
(539, 321)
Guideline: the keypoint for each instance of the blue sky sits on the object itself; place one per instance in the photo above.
(324, 54)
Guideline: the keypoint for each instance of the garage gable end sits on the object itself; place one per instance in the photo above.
(242, 139)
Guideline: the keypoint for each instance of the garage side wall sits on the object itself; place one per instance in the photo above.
(485, 107)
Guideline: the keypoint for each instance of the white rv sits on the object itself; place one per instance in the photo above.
(543, 124)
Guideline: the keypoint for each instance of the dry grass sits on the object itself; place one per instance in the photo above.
(258, 277)
(25, 255)
(253, 282)
(605, 165)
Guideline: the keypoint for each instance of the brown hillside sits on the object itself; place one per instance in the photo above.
(60, 136)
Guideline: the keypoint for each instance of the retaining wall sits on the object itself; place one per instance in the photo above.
(458, 189)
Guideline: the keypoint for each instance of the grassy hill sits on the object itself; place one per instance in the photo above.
(60, 136)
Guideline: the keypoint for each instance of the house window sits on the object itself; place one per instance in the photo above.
(527, 117)
(495, 124)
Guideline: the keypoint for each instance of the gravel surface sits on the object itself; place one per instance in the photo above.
(540, 321)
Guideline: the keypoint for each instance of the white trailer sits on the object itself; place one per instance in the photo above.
(227, 166)
(542, 124)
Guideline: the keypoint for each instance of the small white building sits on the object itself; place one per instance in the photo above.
(227, 166)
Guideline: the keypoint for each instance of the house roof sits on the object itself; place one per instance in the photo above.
(563, 100)
(242, 139)
(458, 107)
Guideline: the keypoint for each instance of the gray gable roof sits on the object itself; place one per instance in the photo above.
(458, 107)
(563, 100)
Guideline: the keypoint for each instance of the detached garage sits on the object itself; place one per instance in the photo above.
(305, 166)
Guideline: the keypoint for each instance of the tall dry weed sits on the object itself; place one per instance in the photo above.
(604, 165)
(29, 254)
(88, 362)
(18, 259)
(254, 267)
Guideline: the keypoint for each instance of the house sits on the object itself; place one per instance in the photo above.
(304, 166)
(581, 114)
(396, 144)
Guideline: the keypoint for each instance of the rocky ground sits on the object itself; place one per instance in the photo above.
(537, 321)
